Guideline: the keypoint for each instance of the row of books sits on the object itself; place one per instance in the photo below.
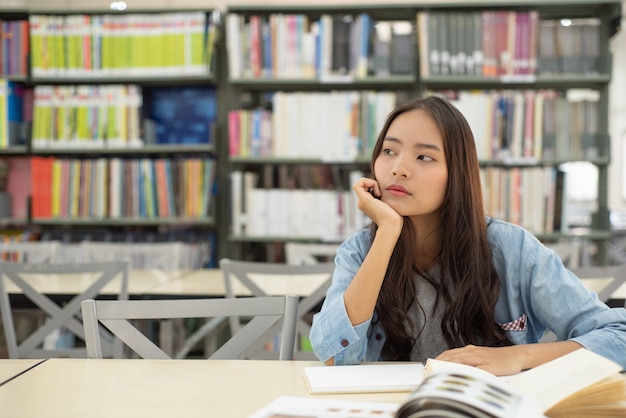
(534, 197)
(121, 188)
(172, 254)
(14, 47)
(334, 126)
(570, 46)
(509, 125)
(505, 44)
(488, 43)
(293, 46)
(531, 125)
(325, 214)
(86, 116)
(484, 43)
(105, 116)
(139, 44)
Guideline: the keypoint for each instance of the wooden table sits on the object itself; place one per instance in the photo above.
(11, 368)
(159, 283)
(68, 388)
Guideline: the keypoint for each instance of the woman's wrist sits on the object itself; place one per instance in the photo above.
(391, 229)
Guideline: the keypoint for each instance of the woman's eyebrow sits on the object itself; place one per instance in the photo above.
(426, 145)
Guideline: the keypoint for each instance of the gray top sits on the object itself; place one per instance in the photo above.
(430, 342)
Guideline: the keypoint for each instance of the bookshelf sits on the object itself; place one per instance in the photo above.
(124, 114)
(565, 69)
(303, 186)
(254, 81)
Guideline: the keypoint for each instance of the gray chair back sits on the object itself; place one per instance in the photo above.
(266, 312)
(261, 279)
(85, 281)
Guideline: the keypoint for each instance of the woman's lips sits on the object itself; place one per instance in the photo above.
(397, 189)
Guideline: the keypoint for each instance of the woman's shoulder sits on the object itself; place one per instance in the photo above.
(502, 233)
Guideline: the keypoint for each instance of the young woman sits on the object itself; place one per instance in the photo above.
(434, 277)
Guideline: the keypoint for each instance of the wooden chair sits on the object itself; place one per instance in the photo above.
(25, 279)
(259, 279)
(266, 312)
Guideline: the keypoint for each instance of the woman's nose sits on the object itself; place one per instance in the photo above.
(400, 168)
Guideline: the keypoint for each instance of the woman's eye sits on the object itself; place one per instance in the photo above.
(388, 151)
(425, 158)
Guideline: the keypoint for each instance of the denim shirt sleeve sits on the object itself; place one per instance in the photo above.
(332, 334)
(535, 284)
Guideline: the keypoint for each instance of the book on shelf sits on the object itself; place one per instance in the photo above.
(152, 44)
(182, 115)
(14, 47)
(402, 47)
(14, 113)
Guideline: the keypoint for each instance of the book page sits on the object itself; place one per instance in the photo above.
(364, 378)
(554, 381)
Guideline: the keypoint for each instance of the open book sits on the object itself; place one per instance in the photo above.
(579, 384)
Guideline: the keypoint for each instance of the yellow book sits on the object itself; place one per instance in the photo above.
(195, 40)
(81, 110)
(57, 167)
(74, 195)
(4, 114)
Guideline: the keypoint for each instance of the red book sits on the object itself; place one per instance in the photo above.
(255, 46)
(19, 186)
(41, 187)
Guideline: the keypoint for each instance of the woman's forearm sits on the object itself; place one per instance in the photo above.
(361, 295)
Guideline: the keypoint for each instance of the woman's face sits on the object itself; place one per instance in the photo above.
(411, 167)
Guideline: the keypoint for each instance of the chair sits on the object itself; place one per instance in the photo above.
(299, 253)
(259, 279)
(26, 278)
(266, 312)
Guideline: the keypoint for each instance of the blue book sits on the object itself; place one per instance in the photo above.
(266, 43)
(169, 184)
(15, 112)
(183, 115)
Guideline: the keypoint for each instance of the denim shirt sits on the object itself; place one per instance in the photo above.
(537, 293)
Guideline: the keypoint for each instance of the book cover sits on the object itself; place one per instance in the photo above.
(341, 47)
(402, 48)
(183, 115)
(19, 185)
